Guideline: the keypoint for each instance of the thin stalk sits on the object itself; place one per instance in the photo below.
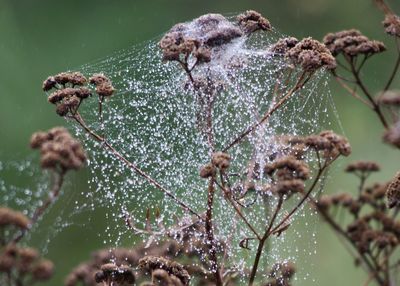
(395, 69)
(136, 169)
(376, 108)
(268, 114)
(262, 241)
(210, 233)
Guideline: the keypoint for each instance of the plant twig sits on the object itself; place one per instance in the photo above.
(136, 169)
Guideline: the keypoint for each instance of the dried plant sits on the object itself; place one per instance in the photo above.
(287, 171)
(19, 265)
(284, 180)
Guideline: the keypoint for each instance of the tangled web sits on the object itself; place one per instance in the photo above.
(153, 120)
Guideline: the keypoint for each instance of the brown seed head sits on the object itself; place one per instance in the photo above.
(362, 166)
(392, 135)
(288, 187)
(43, 270)
(9, 217)
(58, 149)
(221, 160)
(393, 192)
(311, 55)
(282, 46)
(391, 98)
(207, 171)
(352, 43)
(173, 268)
(252, 21)
(392, 25)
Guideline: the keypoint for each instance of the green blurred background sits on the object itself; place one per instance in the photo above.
(40, 38)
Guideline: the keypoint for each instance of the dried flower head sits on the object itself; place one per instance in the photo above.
(43, 270)
(393, 192)
(24, 263)
(392, 135)
(390, 97)
(110, 272)
(291, 167)
(197, 38)
(288, 187)
(363, 167)
(59, 150)
(252, 21)
(104, 87)
(392, 25)
(10, 217)
(162, 277)
(311, 55)
(152, 263)
(207, 171)
(282, 46)
(221, 160)
(352, 43)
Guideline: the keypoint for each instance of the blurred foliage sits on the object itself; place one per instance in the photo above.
(39, 38)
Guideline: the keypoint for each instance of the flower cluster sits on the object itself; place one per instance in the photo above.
(24, 264)
(112, 274)
(327, 142)
(12, 218)
(352, 43)
(171, 270)
(374, 231)
(59, 150)
(104, 87)
(392, 25)
(219, 160)
(69, 90)
(308, 53)
(289, 175)
(252, 21)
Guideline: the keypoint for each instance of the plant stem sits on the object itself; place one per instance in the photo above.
(136, 169)
(262, 242)
(268, 114)
(210, 233)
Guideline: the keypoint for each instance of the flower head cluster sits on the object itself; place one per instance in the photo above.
(289, 175)
(310, 54)
(59, 150)
(111, 273)
(328, 142)
(392, 25)
(390, 98)
(392, 135)
(12, 218)
(171, 269)
(393, 192)
(363, 167)
(373, 228)
(104, 87)
(69, 90)
(197, 38)
(282, 46)
(25, 263)
(219, 160)
(352, 43)
(252, 21)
